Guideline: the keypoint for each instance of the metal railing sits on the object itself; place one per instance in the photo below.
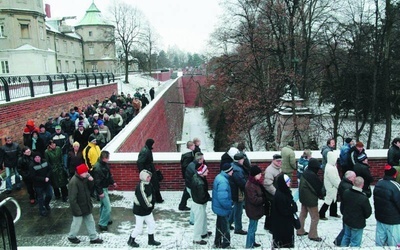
(8, 238)
(13, 87)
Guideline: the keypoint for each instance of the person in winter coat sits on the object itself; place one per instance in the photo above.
(186, 159)
(330, 146)
(222, 206)
(100, 140)
(288, 159)
(227, 157)
(200, 196)
(255, 198)
(62, 140)
(145, 161)
(81, 205)
(393, 158)
(75, 158)
(152, 92)
(362, 169)
(355, 152)
(59, 176)
(144, 101)
(283, 209)
(331, 184)
(247, 163)
(272, 171)
(81, 135)
(24, 163)
(387, 209)
(356, 209)
(143, 205)
(238, 183)
(345, 155)
(301, 166)
(102, 180)
(29, 128)
(40, 171)
(310, 191)
(346, 183)
(36, 143)
(9, 154)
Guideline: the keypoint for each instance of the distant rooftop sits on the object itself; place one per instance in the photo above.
(93, 17)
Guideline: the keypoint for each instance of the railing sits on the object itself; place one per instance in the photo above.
(13, 87)
(8, 238)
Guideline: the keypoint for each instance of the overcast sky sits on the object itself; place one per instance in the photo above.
(185, 23)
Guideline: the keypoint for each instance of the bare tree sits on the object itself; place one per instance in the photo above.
(149, 40)
(127, 21)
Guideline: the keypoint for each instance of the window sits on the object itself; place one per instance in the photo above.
(2, 30)
(91, 50)
(4, 67)
(67, 66)
(90, 33)
(24, 30)
(94, 67)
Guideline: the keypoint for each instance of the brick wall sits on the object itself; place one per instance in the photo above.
(162, 76)
(13, 115)
(126, 174)
(191, 85)
(163, 123)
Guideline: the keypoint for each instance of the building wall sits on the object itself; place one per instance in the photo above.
(191, 84)
(15, 114)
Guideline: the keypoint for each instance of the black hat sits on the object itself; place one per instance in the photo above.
(314, 165)
(95, 127)
(41, 126)
(276, 156)
(254, 170)
(348, 140)
(227, 167)
(238, 156)
(92, 139)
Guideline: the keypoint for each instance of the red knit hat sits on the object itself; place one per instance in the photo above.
(82, 169)
(202, 169)
(390, 171)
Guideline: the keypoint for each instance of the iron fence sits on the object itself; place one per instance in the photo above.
(14, 87)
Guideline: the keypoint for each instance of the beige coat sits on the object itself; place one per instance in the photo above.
(270, 173)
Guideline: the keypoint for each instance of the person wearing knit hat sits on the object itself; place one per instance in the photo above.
(387, 212)
(254, 204)
(200, 197)
(143, 205)
(238, 183)
(186, 159)
(309, 199)
(362, 169)
(271, 172)
(355, 152)
(81, 205)
(228, 156)
(222, 206)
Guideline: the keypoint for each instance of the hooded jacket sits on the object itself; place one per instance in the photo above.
(143, 201)
(331, 178)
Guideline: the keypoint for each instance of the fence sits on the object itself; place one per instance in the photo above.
(13, 87)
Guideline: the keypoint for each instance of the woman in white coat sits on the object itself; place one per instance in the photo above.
(331, 184)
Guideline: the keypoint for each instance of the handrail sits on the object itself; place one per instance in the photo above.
(10, 199)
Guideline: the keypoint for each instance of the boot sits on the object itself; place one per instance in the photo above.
(132, 243)
(152, 242)
(322, 211)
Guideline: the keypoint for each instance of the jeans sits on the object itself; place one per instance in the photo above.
(151, 225)
(387, 235)
(105, 209)
(236, 215)
(43, 195)
(338, 240)
(222, 233)
(251, 233)
(200, 223)
(8, 177)
(89, 223)
(352, 237)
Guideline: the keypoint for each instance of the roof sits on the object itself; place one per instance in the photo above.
(93, 17)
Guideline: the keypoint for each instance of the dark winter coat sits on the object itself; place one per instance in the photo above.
(237, 182)
(225, 158)
(343, 186)
(40, 147)
(393, 156)
(24, 162)
(354, 154)
(102, 176)
(143, 202)
(9, 154)
(282, 217)
(310, 188)
(255, 198)
(39, 172)
(199, 189)
(79, 195)
(82, 137)
(62, 141)
(67, 126)
(74, 160)
(145, 159)
(355, 208)
(387, 201)
(363, 170)
(186, 159)
(59, 176)
(221, 195)
(190, 171)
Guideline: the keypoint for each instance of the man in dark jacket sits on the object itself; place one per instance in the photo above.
(24, 162)
(9, 154)
(355, 152)
(102, 179)
(200, 198)
(186, 159)
(356, 209)
(62, 140)
(310, 191)
(387, 209)
(190, 171)
(81, 205)
(393, 156)
(361, 168)
(145, 161)
(40, 171)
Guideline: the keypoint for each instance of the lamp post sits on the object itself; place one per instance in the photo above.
(119, 67)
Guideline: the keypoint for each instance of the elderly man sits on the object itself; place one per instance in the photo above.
(272, 171)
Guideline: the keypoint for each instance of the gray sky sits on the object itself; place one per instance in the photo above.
(185, 23)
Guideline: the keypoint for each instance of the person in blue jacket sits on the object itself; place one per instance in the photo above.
(222, 206)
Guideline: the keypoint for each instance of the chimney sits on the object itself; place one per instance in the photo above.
(47, 10)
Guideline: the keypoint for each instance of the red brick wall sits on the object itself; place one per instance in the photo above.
(191, 84)
(127, 176)
(162, 76)
(163, 123)
(13, 115)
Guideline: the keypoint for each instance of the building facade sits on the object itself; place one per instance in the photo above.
(31, 43)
